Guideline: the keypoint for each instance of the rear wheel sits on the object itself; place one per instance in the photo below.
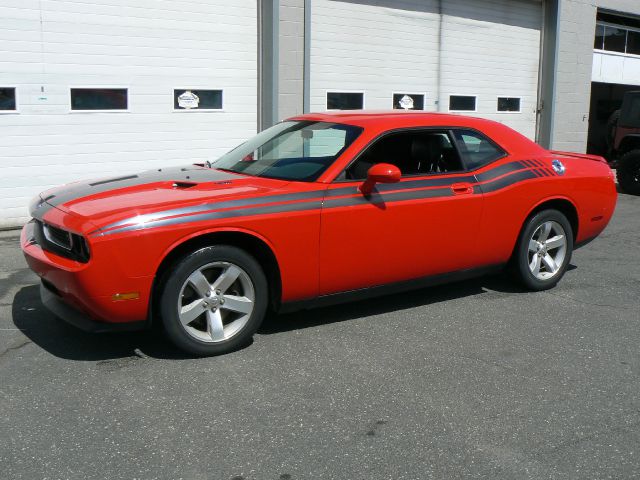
(214, 300)
(628, 172)
(544, 250)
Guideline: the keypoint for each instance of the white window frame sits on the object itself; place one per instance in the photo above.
(475, 110)
(326, 99)
(501, 112)
(105, 87)
(17, 109)
(198, 109)
(424, 100)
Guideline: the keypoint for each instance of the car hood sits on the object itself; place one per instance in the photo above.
(112, 201)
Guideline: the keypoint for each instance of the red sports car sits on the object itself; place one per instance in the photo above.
(318, 208)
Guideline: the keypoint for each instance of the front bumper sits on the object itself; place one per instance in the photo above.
(78, 319)
(82, 293)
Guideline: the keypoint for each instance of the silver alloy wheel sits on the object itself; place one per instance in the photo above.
(216, 302)
(547, 250)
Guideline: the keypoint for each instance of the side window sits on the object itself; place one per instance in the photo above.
(476, 149)
(413, 152)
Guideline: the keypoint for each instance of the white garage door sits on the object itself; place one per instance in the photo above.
(480, 57)
(130, 60)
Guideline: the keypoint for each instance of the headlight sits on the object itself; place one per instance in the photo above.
(61, 242)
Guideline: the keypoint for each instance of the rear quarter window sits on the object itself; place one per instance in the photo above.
(476, 149)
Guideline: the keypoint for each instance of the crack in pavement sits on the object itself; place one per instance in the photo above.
(12, 348)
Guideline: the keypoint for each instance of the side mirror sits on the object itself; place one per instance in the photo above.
(380, 173)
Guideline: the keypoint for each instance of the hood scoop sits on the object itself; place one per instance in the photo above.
(183, 184)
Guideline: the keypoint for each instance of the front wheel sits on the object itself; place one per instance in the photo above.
(544, 250)
(214, 300)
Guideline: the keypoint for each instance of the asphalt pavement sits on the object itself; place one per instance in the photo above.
(478, 379)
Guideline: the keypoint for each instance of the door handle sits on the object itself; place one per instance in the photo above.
(462, 188)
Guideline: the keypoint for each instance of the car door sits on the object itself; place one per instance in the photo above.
(424, 225)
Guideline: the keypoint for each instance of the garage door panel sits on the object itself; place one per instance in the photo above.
(360, 46)
(150, 48)
(487, 48)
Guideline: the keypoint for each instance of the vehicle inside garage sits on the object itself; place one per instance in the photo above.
(606, 100)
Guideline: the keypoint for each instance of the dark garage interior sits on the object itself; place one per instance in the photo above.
(606, 98)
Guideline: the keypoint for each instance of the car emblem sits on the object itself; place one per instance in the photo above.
(558, 167)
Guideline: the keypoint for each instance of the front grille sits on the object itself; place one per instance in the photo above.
(61, 242)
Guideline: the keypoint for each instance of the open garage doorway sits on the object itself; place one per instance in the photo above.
(606, 99)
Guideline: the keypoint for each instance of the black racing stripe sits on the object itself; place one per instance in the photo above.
(506, 181)
(243, 202)
(245, 212)
(190, 173)
(290, 207)
(377, 198)
(437, 182)
(499, 171)
(404, 185)
(342, 191)
(433, 182)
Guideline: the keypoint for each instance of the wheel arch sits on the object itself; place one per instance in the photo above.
(253, 243)
(563, 205)
(629, 142)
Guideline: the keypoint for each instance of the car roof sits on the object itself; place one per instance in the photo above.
(397, 117)
(506, 137)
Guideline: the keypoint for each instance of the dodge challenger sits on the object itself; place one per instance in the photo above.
(317, 209)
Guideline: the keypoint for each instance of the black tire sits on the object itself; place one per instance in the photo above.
(522, 258)
(628, 172)
(172, 286)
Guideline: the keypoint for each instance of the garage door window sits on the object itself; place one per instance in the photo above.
(462, 103)
(408, 101)
(91, 99)
(190, 99)
(7, 99)
(476, 149)
(509, 104)
(345, 100)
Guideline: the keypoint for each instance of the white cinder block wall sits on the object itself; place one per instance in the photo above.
(150, 47)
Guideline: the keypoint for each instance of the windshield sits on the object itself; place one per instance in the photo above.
(290, 150)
